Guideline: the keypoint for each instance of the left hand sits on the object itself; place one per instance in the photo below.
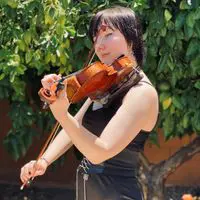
(60, 107)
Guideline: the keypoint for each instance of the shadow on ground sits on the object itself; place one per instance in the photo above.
(12, 192)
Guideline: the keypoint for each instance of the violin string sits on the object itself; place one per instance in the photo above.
(91, 58)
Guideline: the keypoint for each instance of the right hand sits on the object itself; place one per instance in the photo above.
(32, 169)
(49, 79)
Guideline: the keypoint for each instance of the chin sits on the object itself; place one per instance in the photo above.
(107, 62)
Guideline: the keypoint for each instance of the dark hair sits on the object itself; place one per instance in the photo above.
(125, 20)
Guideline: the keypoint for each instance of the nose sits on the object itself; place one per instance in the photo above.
(100, 46)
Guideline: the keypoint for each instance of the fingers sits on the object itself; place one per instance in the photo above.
(48, 80)
(62, 93)
(30, 170)
(27, 172)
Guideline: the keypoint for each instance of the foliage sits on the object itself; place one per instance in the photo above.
(50, 36)
(172, 38)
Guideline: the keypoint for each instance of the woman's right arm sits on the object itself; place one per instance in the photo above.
(62, 142)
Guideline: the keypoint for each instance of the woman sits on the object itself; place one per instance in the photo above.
(110, 135)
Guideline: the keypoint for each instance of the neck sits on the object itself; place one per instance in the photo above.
(132, 58)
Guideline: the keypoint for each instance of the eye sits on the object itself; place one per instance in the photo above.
(108, 34)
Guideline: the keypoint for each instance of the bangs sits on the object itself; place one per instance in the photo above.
(97, 22)
(115, 18)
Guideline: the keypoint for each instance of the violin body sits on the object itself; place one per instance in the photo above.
(92, 81)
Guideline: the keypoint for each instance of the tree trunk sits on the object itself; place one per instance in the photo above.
(156, 192)
(153, 176)
(152, 184)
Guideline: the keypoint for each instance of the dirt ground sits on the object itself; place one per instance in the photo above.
(12, 192)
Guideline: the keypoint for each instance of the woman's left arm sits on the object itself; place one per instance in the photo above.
(138, 106)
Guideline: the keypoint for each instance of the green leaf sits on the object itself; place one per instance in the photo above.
(22, 146)
(58, 53)
(190, 19)
(193, 47)
(184, 5)
(37, 54)
(4, 54)
(154, 138)
(171, 39)
(164, 86)
(53, 58)
(27, 37)
(195, 121)
(197, 12)
(188, 32)
(21, 45)
(180, 20)
(71, 30)
(78, 47)
(48, 19)
(12, 3)
(186, 119)
(197, 85)
(197, 28)
(168, 15)
(162, 62)
(164, 2)
(15, 148)
(168, 127)
(59, 29)
(47, 57)
(195, 63)
(171, 25)
(171, 63)
(2, 76)
(21, 69)
(164, 95)
(195, 3)
(176, 100)
(88, 43)
(28, 56)
(27, 139)
(12, 76)
(163, 32)
(63, 58)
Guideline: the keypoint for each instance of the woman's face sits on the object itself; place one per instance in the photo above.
(110, 45)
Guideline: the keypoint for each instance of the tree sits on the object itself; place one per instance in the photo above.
(49, 36)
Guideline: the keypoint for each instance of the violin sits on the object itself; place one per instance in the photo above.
(93, 81)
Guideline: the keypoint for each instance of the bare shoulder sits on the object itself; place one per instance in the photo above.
(143, 98)
(144, 91)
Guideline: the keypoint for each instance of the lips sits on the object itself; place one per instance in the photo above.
(104, 54)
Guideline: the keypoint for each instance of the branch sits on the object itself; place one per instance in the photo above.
(177, 159)
(145, 162)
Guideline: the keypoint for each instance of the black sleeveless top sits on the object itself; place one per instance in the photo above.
(126, 162)
(96, 120)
